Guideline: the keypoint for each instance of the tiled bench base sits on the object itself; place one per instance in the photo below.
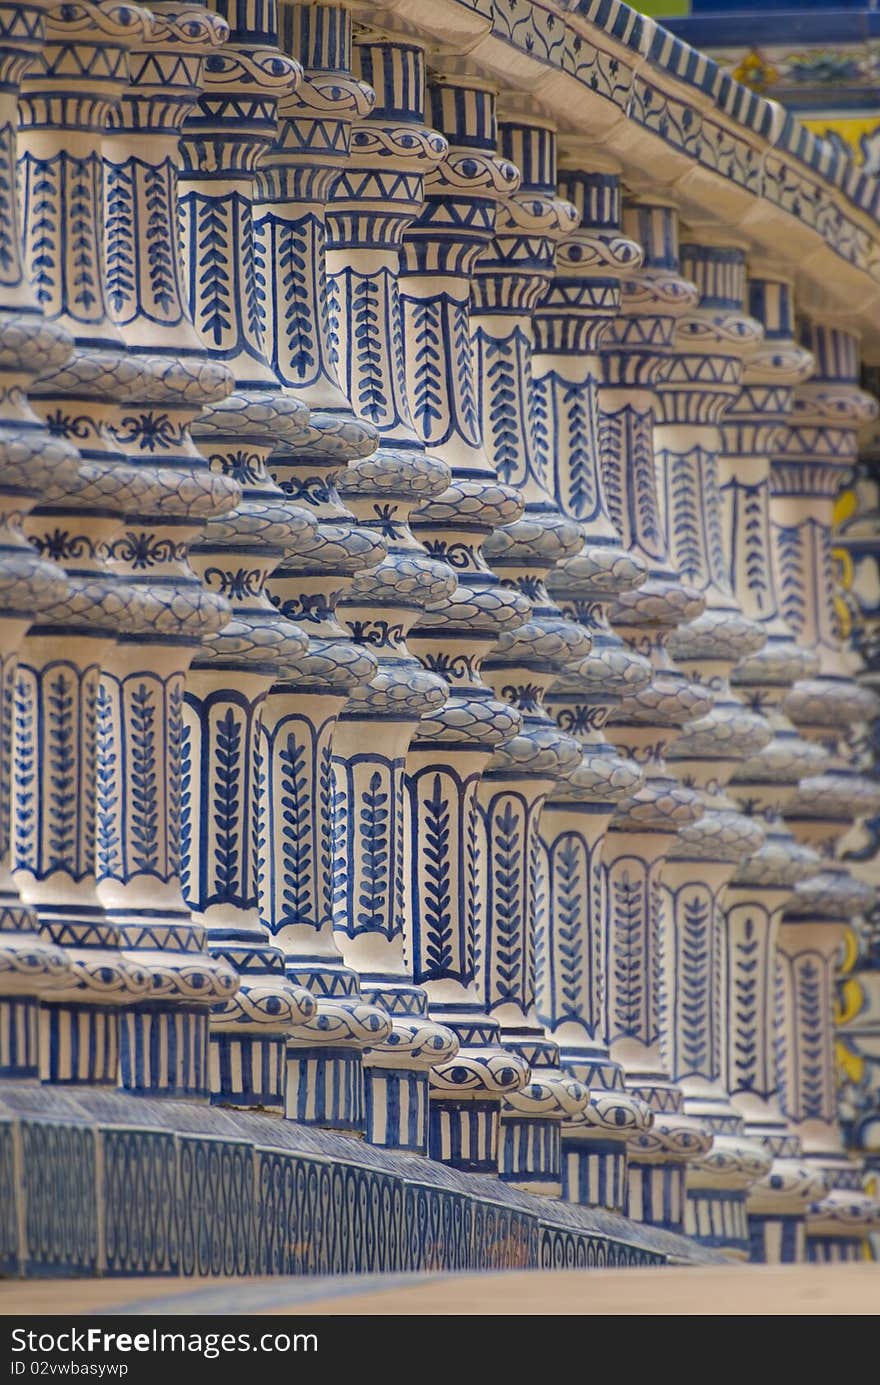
(114, 1185)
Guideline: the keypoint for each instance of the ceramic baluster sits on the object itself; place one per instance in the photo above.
(380, 191)
(822, 912)
(857, 1051)
(511, 277)
(453, 745)
(31, 965)
(65, 102)
(710, 343)
(816, 453)
(857, 559)
(644, 722)
(299, 854)
(764, 784)
(222, 144)
(164, 1038)
(572, 942)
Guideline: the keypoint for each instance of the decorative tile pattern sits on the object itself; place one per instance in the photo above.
(140, 1202)
(9, 1249)
(368, 597)
(189, 1205)
(61, 1202)
(504, 1239)
(216, 1203)
(437, 1229)
(590, 42)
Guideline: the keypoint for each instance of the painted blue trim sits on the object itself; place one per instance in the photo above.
(753, 23)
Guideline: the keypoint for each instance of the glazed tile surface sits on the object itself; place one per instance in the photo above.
(438, 590)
